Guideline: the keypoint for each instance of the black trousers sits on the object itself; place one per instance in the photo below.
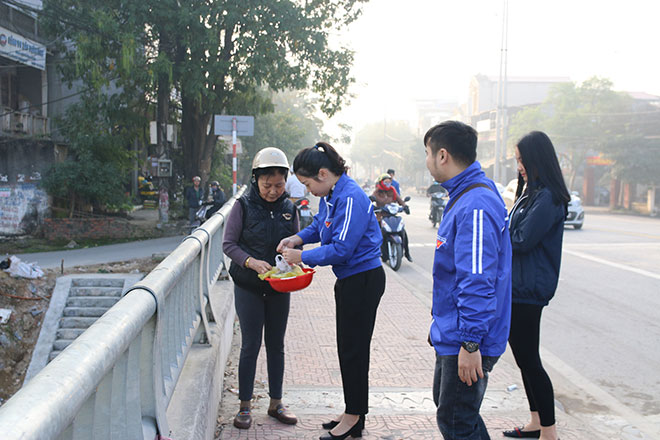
(356, 299)
(524, 340)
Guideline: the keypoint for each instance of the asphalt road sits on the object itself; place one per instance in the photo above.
(602, 329)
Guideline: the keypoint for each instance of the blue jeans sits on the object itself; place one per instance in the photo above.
(458, 404)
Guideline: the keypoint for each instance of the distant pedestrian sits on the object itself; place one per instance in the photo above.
(254, 228)
(537, 229)
(194, 196)
(395, 183)
(471, 281)
(350, 241)
(295, 188)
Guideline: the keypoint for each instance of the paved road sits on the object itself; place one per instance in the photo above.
(103, 254)
(600, 333)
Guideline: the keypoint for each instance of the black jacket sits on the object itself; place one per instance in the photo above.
(537, 230)
(194, 196)
(264, 226)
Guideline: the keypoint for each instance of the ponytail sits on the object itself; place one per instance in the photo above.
(322, 155)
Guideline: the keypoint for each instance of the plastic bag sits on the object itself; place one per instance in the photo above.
(18, 268)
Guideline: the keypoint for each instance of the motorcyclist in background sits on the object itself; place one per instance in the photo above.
(193, 196)
(395, 184)
(218, 198)
(383, 194)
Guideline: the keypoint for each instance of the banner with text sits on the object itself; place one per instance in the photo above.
(21, 49)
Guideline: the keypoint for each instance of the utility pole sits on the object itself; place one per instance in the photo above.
(500, 115)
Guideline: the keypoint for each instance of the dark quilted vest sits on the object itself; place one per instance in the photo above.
(264, 226)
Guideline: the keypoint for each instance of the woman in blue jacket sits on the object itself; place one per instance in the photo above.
(350, 241)
(537, 228)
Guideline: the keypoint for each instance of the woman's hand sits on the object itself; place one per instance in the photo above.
(259, 266)
(289, 243)
(292, 256)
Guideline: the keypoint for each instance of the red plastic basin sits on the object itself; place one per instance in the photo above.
(294, 283)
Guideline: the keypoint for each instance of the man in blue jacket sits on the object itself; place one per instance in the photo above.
(471, 281)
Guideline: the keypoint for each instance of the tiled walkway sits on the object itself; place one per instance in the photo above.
(401, 374)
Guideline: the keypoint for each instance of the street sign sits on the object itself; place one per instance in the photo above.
(224, 125)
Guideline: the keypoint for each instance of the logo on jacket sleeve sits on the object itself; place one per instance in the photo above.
(439, 241)
(328, 222)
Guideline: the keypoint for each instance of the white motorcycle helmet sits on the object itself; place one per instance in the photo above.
(269, 157)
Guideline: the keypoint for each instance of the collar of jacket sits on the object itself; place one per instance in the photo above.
(461, 181)
(337, 189)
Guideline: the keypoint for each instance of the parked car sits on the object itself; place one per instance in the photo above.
(575, 215)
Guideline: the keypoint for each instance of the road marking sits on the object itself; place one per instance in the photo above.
(609, 245)
(613, 264)
(598, 394)
(620, 232)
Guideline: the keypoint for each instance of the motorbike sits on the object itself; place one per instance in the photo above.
(305, 215)
(395, 239)
(200, 216)
(438, 204)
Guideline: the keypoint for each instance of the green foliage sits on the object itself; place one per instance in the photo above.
(95, 171)
(580, 119)
(291, 126)
(210, 55)
(394, 145)
(636, 158)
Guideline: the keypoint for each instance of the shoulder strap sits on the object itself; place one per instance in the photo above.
(469, 188)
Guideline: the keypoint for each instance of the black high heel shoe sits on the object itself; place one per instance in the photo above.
(329, 425)
(355, 431)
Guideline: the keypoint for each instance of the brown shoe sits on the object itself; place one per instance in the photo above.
(282, 414)
(243, 419)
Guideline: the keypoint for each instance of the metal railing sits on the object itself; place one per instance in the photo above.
(116, 380)
(17, 122)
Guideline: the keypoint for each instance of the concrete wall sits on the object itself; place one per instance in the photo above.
(23, 207)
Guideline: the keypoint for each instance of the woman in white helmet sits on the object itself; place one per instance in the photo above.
(254, 228)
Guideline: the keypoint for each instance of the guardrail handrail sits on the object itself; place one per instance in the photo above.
(116, 380)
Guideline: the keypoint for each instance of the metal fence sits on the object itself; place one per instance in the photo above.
(116, 380)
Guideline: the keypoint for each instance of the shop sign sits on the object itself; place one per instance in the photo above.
(21, 49)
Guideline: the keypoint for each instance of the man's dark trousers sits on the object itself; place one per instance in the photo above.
(458, 404)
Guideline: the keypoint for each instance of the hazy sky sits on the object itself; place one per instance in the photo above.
(410, 49)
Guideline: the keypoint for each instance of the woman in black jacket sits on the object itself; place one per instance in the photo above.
(536, 228)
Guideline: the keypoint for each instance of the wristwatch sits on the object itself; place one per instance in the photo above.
(470, 346)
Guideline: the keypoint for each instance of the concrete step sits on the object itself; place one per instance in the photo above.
(69, 322)
(69, 333)
(95, 291)
(53, 354)
(97, 282)
(84, 311)
(61, 344)
(92, 301)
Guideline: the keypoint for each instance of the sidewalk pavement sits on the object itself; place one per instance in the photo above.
(401, 374)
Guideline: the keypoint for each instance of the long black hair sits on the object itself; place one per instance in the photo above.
(539, 158)
(322, 155)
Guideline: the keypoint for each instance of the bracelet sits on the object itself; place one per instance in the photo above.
(247, 262)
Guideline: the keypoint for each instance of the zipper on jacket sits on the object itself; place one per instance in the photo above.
(271, 215)
(515, 206)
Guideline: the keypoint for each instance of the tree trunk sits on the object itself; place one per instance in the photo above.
(195, 139)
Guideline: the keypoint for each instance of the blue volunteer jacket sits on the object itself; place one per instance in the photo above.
(472, 269)
(348, 231)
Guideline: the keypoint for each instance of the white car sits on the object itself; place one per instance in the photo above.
(575, 215)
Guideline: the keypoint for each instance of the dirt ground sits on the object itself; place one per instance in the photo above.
(28, 301)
